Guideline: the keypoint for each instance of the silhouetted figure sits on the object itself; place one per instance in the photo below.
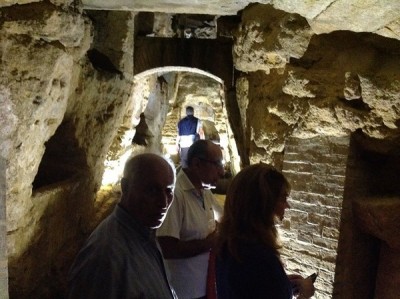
(189, 130)
(121, 258)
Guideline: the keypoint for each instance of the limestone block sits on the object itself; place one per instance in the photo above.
(297, 87)
(352, 89)
(46, 22)
(325, 16)
(163, 25)
(8, 121)
(98, 113)
(5, 3)
(358, 15)
(38, 88)
(35, 90)
(308, 9)
(380, 218)
(113, 38)
(380, 93)
(3, 232)
(332, 90)
(242, 90)
(391, 30)
(66, 3)
(267, 38)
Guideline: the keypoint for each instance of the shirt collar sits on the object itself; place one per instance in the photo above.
(185, 183)
(122, 215)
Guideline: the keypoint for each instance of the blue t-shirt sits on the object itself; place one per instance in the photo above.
(259, 274)
(187, 125)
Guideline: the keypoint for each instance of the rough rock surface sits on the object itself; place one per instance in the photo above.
(331, 89)
(66, 113)
(51, 91)
(265, 43)
(380, 17)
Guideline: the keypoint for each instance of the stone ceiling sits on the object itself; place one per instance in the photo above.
(377, 16)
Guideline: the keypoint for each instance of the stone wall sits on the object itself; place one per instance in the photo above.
(304, 85)
(302, 96)
(315, 169)
(67, 90)
(61, 108)
(3, 233)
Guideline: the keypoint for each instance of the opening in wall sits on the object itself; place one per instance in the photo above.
(62, 160)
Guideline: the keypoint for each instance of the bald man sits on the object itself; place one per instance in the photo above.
(121, 258)
(188, 232)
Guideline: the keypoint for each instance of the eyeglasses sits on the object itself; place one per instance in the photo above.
(218, 163)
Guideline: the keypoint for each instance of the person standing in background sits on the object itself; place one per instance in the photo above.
(189, 130)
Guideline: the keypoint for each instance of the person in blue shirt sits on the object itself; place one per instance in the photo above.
(248, 263)
(189, 130)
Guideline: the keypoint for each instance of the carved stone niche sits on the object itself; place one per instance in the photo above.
(379, 217)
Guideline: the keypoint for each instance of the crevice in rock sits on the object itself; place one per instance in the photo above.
(62, 160)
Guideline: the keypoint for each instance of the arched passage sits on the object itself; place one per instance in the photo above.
(212, 55)
(160, 96)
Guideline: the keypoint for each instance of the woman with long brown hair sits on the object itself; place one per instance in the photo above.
(248, 261)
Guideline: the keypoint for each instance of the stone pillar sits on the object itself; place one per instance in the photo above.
(3, 233)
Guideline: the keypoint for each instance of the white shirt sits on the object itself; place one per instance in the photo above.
(187, 220)
(186, 140)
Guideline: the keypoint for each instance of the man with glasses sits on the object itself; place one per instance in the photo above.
(188, 232)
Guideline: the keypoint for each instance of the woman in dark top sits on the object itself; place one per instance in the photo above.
(248, 262)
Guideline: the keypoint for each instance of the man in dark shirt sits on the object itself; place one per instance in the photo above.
(189, 130)
(121, 258)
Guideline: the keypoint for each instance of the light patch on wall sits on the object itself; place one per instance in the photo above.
(114, 169)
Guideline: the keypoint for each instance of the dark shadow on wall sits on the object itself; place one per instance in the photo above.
(62, 204)
(372, 172)
(143, 135)
(62, 160)
(40, 272)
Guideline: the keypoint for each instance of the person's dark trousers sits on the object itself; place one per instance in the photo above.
(183, 156)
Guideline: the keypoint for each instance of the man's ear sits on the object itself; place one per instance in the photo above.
(124, 185)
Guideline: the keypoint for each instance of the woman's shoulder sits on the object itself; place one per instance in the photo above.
(258, 254)
(256, 248)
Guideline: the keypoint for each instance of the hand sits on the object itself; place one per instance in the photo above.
(211, 239)
(303, 288)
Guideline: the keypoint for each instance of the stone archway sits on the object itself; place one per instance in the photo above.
(156, 106)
